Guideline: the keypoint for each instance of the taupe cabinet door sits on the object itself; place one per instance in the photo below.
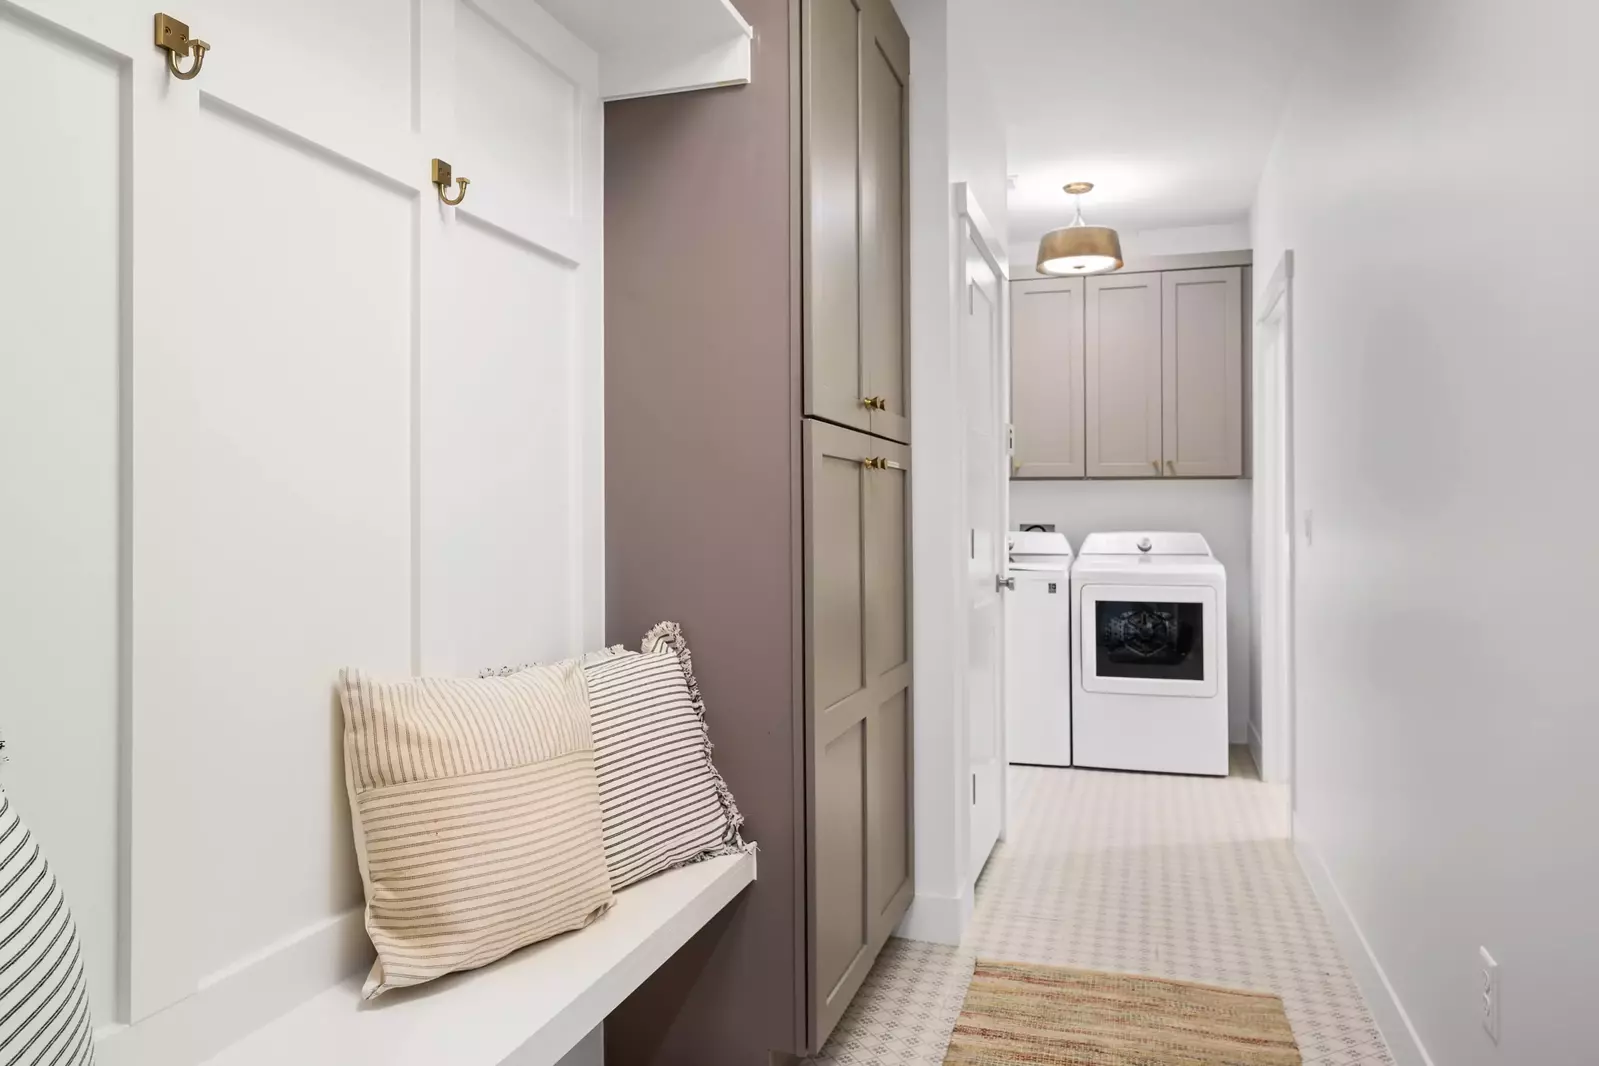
(858, 713)
(1047, 402)
(885, 142)
(1123, 375)
(855, 146)
(1203, 373)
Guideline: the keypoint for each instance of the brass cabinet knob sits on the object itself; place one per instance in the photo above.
(874, 403)
(1156, 464)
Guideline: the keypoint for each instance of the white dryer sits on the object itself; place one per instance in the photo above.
(1149, 664)
(1038, 651)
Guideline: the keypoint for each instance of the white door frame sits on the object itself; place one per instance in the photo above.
(973, 223)
(1273, 532)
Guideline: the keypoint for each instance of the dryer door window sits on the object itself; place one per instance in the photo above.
(1154, 640)
(1149, 638)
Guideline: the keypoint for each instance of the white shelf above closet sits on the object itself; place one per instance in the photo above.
(650, 47)
(530, 1008)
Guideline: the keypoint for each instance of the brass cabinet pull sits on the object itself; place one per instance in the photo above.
(174, 37)
(442, 176)
(874, 403)
(1171, 467)
(1156, 464)
(879, 463)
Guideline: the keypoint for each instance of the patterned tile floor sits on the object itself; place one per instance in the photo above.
(1182, 877)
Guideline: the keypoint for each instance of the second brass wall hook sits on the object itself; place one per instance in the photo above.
(174, 37)
(442, 177)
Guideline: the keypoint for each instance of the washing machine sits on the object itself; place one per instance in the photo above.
(1149, 661)
(1038, 651)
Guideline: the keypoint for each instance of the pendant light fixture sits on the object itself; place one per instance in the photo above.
(1079, 248)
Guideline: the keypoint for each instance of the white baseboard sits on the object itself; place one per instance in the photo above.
(936, 919)
(1404, 1043)
(236, 1001)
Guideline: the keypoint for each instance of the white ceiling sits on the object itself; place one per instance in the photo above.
(1168, 106)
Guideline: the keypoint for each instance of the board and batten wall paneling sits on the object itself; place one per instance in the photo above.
(270, 410)
(61, 441)
(298, 547)
(724, 506)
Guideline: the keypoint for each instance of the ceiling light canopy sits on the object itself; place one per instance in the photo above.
(1079, 248)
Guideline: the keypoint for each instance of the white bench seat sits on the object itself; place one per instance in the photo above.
(529, 1009)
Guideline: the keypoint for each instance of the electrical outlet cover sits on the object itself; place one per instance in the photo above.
(1488, 991)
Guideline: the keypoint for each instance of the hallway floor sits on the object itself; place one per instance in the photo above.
(1181, 877)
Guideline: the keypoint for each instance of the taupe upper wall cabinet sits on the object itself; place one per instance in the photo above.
(1047, 346)
(1130, 375)
(856, 71)
(1202, 372)
(1123, 393)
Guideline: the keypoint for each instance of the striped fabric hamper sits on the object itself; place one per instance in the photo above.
(44, 1002)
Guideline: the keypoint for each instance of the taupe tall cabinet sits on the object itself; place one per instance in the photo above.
(757, 466)
(857, 66)
(858, 667)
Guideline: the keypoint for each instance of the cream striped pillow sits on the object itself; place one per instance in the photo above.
(476, 814)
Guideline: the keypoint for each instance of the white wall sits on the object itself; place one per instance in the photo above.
(1435, 180)
(1185, 240)
(956, 136)
(1220, 509)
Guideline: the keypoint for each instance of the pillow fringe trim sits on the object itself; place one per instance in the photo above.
(668, 636)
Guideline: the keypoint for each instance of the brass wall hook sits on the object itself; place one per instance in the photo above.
(174, 37)
(442, 176)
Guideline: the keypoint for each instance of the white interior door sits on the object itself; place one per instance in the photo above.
(268, 408)
(987, 460)
(1271, 715)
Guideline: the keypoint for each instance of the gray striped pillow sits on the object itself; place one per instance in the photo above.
(663, 801)
(44, 1002)
(477, 816)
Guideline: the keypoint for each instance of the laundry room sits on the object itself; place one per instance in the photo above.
(1132, 407)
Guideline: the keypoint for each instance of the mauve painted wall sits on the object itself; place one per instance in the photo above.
(702, 459)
